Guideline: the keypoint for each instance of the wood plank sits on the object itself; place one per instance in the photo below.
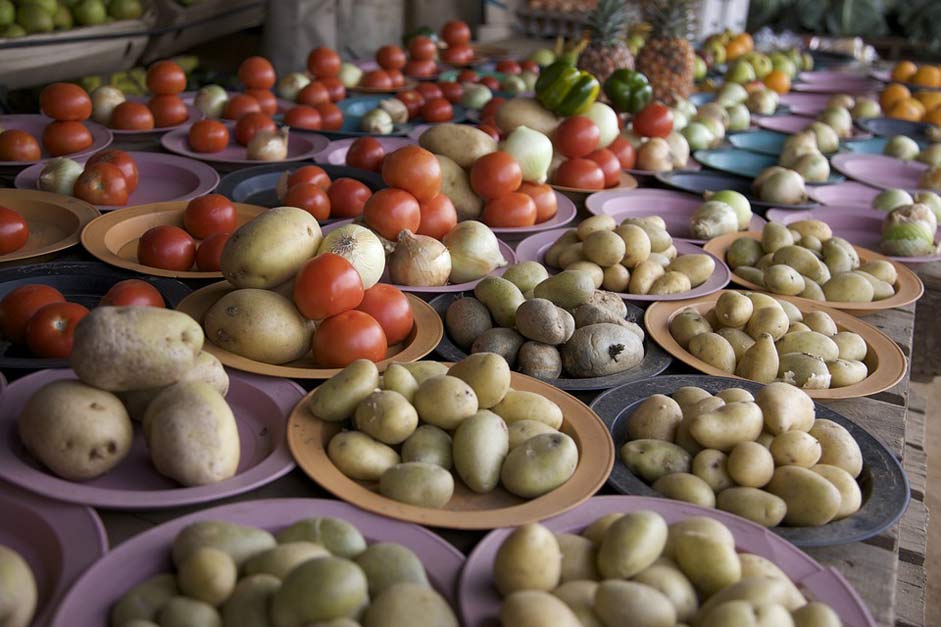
(913, 528)
(870, 570)
(910, 596)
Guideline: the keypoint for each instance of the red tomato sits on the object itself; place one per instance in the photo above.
(491, 130)
(327, 285)
(397, 78)
(14, 231)
(547, 203)
(266, 100)
(309, 174)
(209, 253)
(580, 174)
(64, 138)
(530, 66)
(50, 331)
(249, 125)
(455, 32)
(64, 102)
(335, 88)
(167, 247)
(467, 76)
(624, 151)
(17, 145)
(303, 116)
(210, 214)
(576, 136)
(239, 106)
(366, 153)
(331, 116)
(510, 210)
(420, 69)
(458, 54)
(390, 57)
(391, 309)
(438, 217)
(437, 110)
(451, 91)
(609, 164)
(392, 210)
(415, 170)
(132, 293)
(313, 94)
(257, 73)
(509, 66)
(309, 197)
(132, 116)
(347, 198)
(376, 79)
(19, 305)
(490, 82)
(490, 109)
(654, 120)
(102, 184)
(421, 48)
(495, 174)
(413, 101)
(342, 339)
(123, 160)
(166, 77)
(429, 91)
(208, 136)
(323, 62)
(168, 110)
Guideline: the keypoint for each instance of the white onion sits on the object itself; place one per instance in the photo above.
(59, 176)
(475, 251)
(606, 120)
(679, 148)
(360, 247)
(290, 84)
(103, 101)
(785, 187)
(211, 100)
(532, 150)
(655, 155)
(419, 261)
(268, 145)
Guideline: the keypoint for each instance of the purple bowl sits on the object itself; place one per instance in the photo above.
(195, 115)
(301, 146)
(566, 213)
(791, 124)
(260, 405)
(34, 125)
(162, 177)
(148, 554)
(335, 152)
(189, 98)
(884, 76)
(880, 171)
(831, 76)
(847, 193)
(534, 248)
(848, 85)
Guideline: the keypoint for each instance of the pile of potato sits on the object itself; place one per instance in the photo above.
(318, 571)
(18, 602)
(144, 363)
(757, 337)
(805, 259)
(636, 257)
(410, 427)
(764, 457)
(635, 569)
(546, 326)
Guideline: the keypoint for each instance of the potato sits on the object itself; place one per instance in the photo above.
(529, 559)
(844, 372)
(763, 264)
(445, 401)
(488, 375)
(688, 324)
(816, 614)
(809, 342)
(208, 575)
(462, 143)
(567, 289)
(481, 443)
(851, 496)
(18, 604)
(706, 405)
(596, 530)
(733, 309)
(821, 322)
(522, 430)
(848, 287)
(631, 544)
(536, 608)
(799, 327)
(735, 395)
(688, 396)
(570, 255)
(417, 483)
(319, 590)
(501, 298)
(282, 559)
(745, 614)
(755, 591)
(757, 566)
(725, 427)
(526, 275)
(654, 418)
(578, 558)
(601, 349)
(880, 289)
(851, 346)
(539, 360)
(248, 604)
(455, 184)
(465, 319)
(603, 247)
(811, 499)
(595, 271)
(738, 340)
(539, 465)
(519, 405)
(837, 247)
(744, 251)
(409, 604)
(782, 279)
(386, 564)
(550, 258)
(644, 275)
(682, 486)
(756, 505)
(711, 466)
(881, 269)
(753, 275)
(208, 369)
(660, 240)
(775, 236)
(336, 399)
(795, 448)
(141, 602)
(540, 320)
(398, 379)
(751, 465)
(671, 282)
(760, 300)
(652, 459)
(698, 268)
(338, 536)
(428, 444)
(770, 320)
(666, 577)
(713, 349)
(579, 596)
(802, 261)
(185, 612)
(631, 603)
(838, 447)
(815, 228)
(803, 370)
(812, 291)
(785, 408)
(525, 112)
(616, 278)
(594, 224)
(386, 416)
(360, 457)
(503, 342)
(424, 370)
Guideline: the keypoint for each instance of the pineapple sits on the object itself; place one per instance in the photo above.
(606, 51)
(667, 58)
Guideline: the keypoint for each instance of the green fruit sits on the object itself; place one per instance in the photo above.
(49, 6)
(700, 68)
(90, 12)
(34, 19)
(125, 9)
(7, 12)
(12, 31)
(63, 18)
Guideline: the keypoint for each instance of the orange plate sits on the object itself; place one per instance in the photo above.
(113, 237)
(908, 287)
(55, 221)
(425, 335)
(885, 360)
(308, 438)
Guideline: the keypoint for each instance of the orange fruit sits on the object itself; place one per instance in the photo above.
(891, 94)
(904, 71)
(933, 116)
(734, 49)
(778, 81)
(930, 99)
(745, 40)
(927, 76)
(907, 109)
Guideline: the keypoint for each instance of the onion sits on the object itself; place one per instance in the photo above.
(532, 150)
(360, 247)
(396, 110)
(813, 167)
(715, 126)
(211, 100)
(909, 231)
(419, 261)
(712, 219)
(290, 84)
(679, 148)
(350, 75)
(931, 155)
(698, 136)
(103, 101)
(844, 101)
(475, 251)
(685, 106)
(932, 200)
(739, 117)
(785, 188)
(715, 111)
(633, 138)
(901, 147)
(377, 122)
(766, 174)
(59, 176)
(680, 120)
(866, 108)
(838, 119)
(606, 120)
(762, 102)
(269, 145)
(655, 155)
(930, 179)
(731, 94)
(827, 139)
(889, 199)
(475, 96)
(805, 139)
(738, 202)
(791, 154)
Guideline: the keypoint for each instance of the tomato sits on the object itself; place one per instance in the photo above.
(624, 151)
(429, 91)
(342, 339)
(309, 197)
(490, 82)
(14, 231)
(132, 293)
(580, 174)
(323, 61)
(391, 309)
(397, 78)
(392, 210)
(420, 69)
(132, 116)
(458, 54)
(64, 138)
(437, 110)
(654, 120)
(167, 247)
(415, 170)
(327, 285)
(257, 73)
(303, 116)
(208, 136)
(576, 136)
(609, 164)
(347, 198)
(455, 32)
(491, 130)
(19, 305)
(168, 110)
(509, 66)
(209, 253)
(266, 100)
(495, 174)
(451, 91)
(467, 76)
(530, 66)
(17, 145)
(366, 153)
(239, 106)
(438, 217)
(413, 101)
(166, 77)
(313, 94)
(335, 87)
(102, 184)
(547, 203)
(249, 125)
(390, 57)
(421, 48)
(49, 333)
(309, 174)
(331, 116)
(510, 210)
(123, 160)
(65, 102)
(376, 79)
(210, 214)
(490, 109)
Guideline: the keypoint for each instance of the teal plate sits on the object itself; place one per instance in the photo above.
(355, 108)
(873, 146)
(744, 162)
(762, 141)
(451, 75)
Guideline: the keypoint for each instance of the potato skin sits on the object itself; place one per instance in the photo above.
(462, 143)
(601, 349)
(655, 418)
(756, 505)
(529, 559)
(536, 608)
(811, 499)
(838, 447)
(409, 603)
(539, 465)
(360, 457)
(19, 589)
(417, 483)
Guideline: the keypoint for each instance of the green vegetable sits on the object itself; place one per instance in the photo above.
(565, 90)
(628, 90)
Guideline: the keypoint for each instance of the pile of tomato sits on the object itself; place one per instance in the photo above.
(316, 109)
(209, 220)
(431, 101)
(311, 189)
(109, 178)
(166, 80)
(587, 165)
(510, 201)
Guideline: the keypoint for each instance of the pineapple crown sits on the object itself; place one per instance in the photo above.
(670, 19)
(608, 21)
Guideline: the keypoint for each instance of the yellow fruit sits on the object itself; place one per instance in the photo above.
(892, 94)
(927, 76)
(779, 81)
(933, 116)
(745, 40)
(735, 49)
(930, 99)
(904, 71)
(907, 109)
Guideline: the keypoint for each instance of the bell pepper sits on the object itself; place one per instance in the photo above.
(629, 91)
(565, 90)
(581, 96)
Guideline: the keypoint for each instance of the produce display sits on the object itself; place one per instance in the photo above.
(109, 177)
(898, 102)
(69, 106)
(19, 18)
(14, 231)
(911, 222)
(210, 219)
(165, 81)
(310, 188)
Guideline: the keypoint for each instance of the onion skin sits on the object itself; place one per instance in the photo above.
(419, 261)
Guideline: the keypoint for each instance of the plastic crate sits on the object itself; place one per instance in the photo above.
(188, 26)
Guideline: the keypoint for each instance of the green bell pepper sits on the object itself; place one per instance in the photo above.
(629, 91)
(581, 96)
(565, 90)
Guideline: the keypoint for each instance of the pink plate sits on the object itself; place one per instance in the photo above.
(260, 405)
(418, 129)
(162, 178)
(830, 76)
(881, 75)
(89, 602)
(534, 248)
(301, 146)
(791, 124)
(34, 125)
(566, 213)
(691, 166)
(847, 193)
(848, 85)
(195, 115)
(880, 171)
(58, 540)
(335, 152)
(480, 602)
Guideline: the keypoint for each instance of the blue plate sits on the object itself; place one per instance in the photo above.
(714, 181)
(761, 141)
(873, 146)
(355, 108)
(256, 186)
(888, 127)
(744, 162)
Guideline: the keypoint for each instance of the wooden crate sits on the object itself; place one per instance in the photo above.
(183, 27)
